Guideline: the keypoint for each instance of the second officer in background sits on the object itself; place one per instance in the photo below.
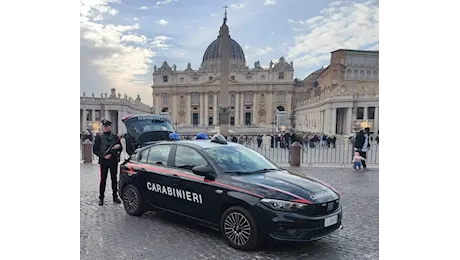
(107, 147)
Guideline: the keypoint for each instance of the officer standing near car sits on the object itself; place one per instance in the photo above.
(107, 147)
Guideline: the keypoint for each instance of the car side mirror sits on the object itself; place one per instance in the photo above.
(205, 171)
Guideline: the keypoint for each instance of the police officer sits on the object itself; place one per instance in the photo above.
(108, 159)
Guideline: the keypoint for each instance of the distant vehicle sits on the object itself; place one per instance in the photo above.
(144, 129)
(230, 188)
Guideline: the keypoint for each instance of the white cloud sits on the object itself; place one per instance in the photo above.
(134, 38)
(162, 22)
(213, 15)
(166, 2)
(144, 7)
(136, 19)
(350, 26)
(263, 51)
(108, 58)
(159, 42)
(269, 2)
(373, 47)
(237, 6)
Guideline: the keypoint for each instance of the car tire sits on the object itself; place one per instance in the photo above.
(230, 222)
(133, 201)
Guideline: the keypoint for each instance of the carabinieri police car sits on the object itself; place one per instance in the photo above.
(230, 188)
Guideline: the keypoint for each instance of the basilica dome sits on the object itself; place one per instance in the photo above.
(214, 51)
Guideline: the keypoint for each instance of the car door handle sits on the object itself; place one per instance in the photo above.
(142, 169)
(174, 176)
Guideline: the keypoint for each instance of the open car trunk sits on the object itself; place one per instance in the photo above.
(145, 129)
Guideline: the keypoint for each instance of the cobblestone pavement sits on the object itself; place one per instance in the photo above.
(108, 232)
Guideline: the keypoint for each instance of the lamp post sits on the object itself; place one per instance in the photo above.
(273, 127)
(176, 123)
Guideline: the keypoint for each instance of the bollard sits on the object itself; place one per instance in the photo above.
(295, 154)
(87, 151)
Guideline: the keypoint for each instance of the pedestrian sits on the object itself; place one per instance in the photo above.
(362, 144)
(357, 161)
(107, 147)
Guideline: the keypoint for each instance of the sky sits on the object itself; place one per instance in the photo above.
(121, 40)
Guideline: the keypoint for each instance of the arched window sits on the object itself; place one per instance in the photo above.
(262, 98)
(348, 75)
(165, 100)
(247, 98)
(374, 75)
(196, 98)
(355, 75)
(361, 75)
(182, 100)
(368, 75)
(281, 98)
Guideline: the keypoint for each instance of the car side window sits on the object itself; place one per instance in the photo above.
(143, 156)
(187, 158)
(159, 154)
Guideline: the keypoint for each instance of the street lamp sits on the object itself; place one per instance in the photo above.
(176, 123)
(273, 126)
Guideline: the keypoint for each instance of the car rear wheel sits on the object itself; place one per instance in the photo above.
(133, 201)
(239, 229)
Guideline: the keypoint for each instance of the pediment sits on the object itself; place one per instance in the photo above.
(216, 81)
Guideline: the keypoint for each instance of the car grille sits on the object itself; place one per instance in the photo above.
(321, 209)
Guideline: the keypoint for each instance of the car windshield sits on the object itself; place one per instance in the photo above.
(139, 127)
(240, 160)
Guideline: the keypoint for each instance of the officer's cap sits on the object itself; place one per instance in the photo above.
(202, 136)
(106, 122)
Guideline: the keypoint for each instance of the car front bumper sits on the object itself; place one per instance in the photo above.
(291, 226)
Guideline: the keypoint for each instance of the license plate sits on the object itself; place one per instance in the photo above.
(330, 221)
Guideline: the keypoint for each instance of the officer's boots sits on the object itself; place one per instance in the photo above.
(116, 199)
(101, 201)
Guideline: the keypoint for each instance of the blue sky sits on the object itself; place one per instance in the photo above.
(121, 40)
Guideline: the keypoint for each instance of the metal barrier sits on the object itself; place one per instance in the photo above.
(341, 154)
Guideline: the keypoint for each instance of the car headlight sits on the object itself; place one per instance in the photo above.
(283, 205)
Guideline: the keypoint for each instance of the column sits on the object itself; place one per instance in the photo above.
(242, 109)
(120, 125)
(376, 120)
(188, 120)
(270, 110)
(83, 120)
(321, 121)
(334, 121)
(201, 109)
(349, 120)
(214, 110)
(327, 121)
(354, 114)
(174, 109)
(255, 110)
(93, 115)
(206, 109)
(365, 117)
(157, 104)
(237, 108)
(107, 114)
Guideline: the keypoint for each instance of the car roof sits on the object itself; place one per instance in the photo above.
(198, 143)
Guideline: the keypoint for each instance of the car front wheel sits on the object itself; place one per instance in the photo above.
(132, 200)
(239, 229)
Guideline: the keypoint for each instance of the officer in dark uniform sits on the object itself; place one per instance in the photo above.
(107, 147)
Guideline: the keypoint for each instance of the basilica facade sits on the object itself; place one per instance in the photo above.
(190, 97)
(343, 98)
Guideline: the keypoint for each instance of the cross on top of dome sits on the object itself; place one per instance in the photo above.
(225, 16)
